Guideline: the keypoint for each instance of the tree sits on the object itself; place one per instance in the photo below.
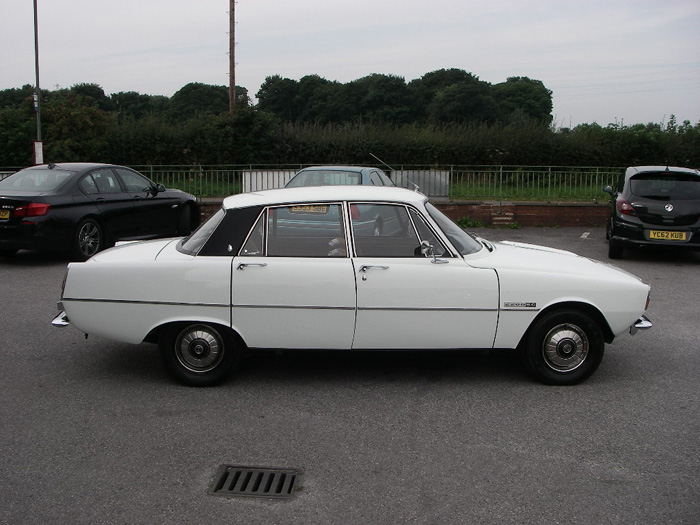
(470, 100)
(135, 105)
(521, 98)
(196, 98)
(380, 98)
(279, 96)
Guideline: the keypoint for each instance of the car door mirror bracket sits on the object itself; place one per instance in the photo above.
(428, 250)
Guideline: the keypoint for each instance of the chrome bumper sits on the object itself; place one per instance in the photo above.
(61, 320)
(643, 323)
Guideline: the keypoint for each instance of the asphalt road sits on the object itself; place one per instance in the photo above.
(95, 432)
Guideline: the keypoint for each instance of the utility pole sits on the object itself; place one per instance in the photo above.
(232, 57)
(38, 145)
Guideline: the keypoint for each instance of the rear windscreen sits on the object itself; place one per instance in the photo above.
(35, 179)
(666, 186)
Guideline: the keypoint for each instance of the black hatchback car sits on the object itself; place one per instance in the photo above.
(654, 206)
(83, 208)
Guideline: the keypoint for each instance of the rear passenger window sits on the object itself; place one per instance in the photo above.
(309, 230)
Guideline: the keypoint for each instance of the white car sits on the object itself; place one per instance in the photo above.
(349, 268)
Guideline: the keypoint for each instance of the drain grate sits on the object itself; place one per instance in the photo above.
(261, 482)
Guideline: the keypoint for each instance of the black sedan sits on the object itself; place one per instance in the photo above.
(85, 207)
(654, 206)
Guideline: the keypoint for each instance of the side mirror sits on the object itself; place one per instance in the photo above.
(608, 189)
(155, 190)
(428, 250)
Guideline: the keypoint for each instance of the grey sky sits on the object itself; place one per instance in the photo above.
(624, 61)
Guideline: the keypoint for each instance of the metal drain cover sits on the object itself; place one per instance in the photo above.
(260, 482)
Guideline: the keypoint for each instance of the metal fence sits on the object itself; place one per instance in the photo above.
(542, 183)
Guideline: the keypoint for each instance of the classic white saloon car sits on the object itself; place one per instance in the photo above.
(349, 268)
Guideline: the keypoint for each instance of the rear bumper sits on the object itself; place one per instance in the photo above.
(36, 236)
(643, 323)
(61, 320)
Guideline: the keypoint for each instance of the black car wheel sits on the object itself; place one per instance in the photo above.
(564, 347)
(614, 249)
(89, 239)
(198, 354)
(7, 252)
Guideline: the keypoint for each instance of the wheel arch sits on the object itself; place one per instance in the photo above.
(586, 308)
(154, 334)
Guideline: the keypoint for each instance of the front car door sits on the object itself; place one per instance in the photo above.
(293, 283)
(406, 298)
(156, 214)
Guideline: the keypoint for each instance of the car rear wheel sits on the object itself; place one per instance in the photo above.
(614, 249)
(198, 354)
(89, 239)
(564, 347)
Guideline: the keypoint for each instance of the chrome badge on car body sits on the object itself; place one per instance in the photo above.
(668, 207)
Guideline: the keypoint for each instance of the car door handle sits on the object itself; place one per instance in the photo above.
(243, 266)
(366, 267)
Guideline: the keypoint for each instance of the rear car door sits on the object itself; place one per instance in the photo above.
(293, 283)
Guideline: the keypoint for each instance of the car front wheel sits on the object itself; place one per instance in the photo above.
(564, 347)
(198, 354)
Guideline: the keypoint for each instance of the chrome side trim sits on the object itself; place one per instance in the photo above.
(156, 303)
(424, 309)
(643, 323)
(291, 307)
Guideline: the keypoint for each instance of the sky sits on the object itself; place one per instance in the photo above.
(613, 61)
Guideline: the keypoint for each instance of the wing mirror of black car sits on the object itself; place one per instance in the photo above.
(155, 190)
(608, 189)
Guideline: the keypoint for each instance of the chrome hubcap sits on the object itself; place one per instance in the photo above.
(199, 349)
(565, 348)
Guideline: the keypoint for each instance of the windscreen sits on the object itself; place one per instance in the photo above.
(460, 239)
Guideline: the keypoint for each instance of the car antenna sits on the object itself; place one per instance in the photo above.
(380, 160)
(415, 186)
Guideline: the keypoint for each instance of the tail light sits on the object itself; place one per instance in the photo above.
(625, 208)
(33, 209)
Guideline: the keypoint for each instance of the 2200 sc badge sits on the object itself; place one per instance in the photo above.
(349, 268)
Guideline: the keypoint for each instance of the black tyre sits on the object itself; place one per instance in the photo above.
(564, 347)
(198, 354)
(89, 239)
(614, 249)
(7, 252)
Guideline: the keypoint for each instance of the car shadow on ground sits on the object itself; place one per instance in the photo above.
(660, 255)
(28, 258)
(383, 366)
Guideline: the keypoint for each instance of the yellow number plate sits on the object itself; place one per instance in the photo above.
(4, 214)
(309, 209)
(667, 236)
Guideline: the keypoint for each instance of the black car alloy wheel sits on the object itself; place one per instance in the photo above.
(89, 239)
